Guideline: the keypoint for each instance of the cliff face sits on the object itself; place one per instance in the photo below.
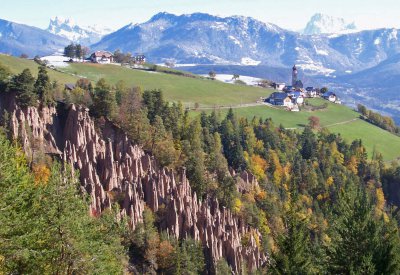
(111, 167)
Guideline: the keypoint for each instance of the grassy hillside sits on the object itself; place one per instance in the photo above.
(176, 88)
(17, 65)
(337, 118)
(208, 93)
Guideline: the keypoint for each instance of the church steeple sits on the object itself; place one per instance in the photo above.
(294, 76)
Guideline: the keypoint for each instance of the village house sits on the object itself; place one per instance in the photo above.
(297, 97)
(102, 57)
(139, 59)
(311, 92)
(280, 99)
(331, 96)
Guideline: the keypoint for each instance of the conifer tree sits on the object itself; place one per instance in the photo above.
(43, 87)
(293, 255)
(23, 86)
(45, 225)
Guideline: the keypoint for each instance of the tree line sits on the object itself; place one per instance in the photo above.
(76, 51)
(384, 122)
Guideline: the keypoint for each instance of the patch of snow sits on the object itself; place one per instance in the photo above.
(393, 35)
(221, 26)
(377, 41)
(235, 40)
(247, 61)
(56, 60)
(183, 65)
(297, 49)
(321, 52)
(228, 78)
(348, 72)
(315, 67)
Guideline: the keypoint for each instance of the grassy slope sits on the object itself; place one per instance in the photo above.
(338, 118)
(17, 65)
(176, 88)
(210, 93)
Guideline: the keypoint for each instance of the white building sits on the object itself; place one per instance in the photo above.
(102, 57)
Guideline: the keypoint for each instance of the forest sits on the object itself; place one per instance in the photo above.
(322, 205)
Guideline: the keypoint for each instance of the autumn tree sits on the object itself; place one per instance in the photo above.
(314, 122)
(144, 242)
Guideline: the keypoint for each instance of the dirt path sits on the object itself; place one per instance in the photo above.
(230, 106)
(343, 122)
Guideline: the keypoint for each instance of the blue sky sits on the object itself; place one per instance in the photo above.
(290, 14)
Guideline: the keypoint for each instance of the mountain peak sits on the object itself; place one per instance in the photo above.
(66, 27)
(326, 24)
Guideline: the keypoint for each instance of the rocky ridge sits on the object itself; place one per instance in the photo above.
(110, 167)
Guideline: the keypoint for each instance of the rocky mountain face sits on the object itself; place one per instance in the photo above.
(205, 39)
(79, 34)
(112, 169)
(17, 39)
(325, 24)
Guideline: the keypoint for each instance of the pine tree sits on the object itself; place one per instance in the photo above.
(23, 86)
(293, 256)
(195, 163)
(104, 102)
(45, 226)
(43, 87)
(358, 243)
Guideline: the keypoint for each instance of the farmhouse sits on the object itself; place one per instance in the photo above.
(102, 57)
(280, 99)
(331, 96)
(297, 97)
(139, 59)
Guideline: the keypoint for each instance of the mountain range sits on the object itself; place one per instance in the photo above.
(17, 39)
(205, 39)
(329, 51)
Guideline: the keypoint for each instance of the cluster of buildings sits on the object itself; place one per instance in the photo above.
(293, 96)
(105, 57)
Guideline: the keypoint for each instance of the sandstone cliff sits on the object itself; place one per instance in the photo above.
(111, 166)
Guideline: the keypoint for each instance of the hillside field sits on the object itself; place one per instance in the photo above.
(209, 94)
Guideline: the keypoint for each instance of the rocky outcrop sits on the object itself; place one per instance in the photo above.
(110, 167)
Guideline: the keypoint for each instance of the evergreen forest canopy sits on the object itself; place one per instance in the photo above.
(322, 206)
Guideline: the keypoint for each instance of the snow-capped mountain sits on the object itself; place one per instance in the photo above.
(17, 39)
(205, 39)
(199, 38)
(325, 24)
(69, 29)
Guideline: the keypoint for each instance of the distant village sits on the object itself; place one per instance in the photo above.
(294, 95)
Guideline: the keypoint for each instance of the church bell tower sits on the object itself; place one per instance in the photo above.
(294, 76)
